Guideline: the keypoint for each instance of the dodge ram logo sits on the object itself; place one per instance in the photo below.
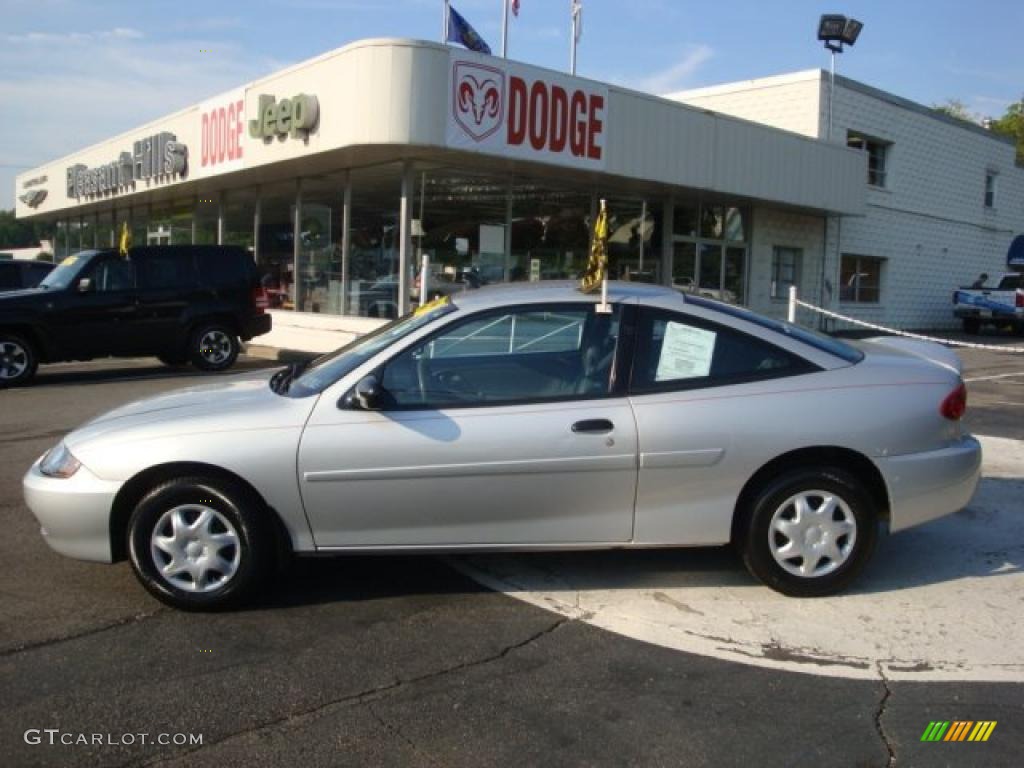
(478, 98)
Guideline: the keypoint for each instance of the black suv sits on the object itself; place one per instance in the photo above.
(187, 303)
(15, 275)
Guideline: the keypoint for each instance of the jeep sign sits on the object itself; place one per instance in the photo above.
(296, 116)
(503, 108)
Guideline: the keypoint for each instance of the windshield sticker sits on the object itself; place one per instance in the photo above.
(430, 306)
(685, 352)
(69, 261)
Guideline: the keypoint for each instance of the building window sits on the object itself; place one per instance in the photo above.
(860, 279)
(878, 155)
(990, 189)
(786, 269)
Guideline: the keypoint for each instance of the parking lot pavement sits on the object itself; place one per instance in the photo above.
(406, 661)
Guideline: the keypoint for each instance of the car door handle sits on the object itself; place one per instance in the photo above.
(593, 426)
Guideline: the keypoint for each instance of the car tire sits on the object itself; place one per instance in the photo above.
(200, 544)
(214, 347)
(790, 516)
(972, 326)
(18, 361)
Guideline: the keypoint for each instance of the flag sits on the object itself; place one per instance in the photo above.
(460, 31)
(125, 241)
(597, 264)
(515, 8)
(577, 19)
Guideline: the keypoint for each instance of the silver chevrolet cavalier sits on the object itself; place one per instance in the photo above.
(525, 417)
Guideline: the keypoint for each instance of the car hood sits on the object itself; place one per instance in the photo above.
(11, 298)
(237, 402)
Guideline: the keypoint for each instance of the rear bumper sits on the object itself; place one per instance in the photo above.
(73, 513)
(256, 325)
(925, 486)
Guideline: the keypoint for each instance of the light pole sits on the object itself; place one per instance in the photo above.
(836, 30)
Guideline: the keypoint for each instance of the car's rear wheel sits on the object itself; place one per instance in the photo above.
(809, 532)
(972, 326)
(200, 544)
(214, 347)
(18, 360)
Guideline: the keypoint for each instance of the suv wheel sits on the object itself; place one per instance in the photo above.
(200, 544)
(809, 532)
(18, 361)
(214, 347)
(972, 326)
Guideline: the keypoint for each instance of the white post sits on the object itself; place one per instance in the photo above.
(575, 34)
(504, 29)
(791, 314)
(444, 24)
(424, 278)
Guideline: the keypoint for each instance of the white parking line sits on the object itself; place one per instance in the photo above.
(996, 376)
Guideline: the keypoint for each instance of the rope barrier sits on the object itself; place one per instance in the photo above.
(794, 302)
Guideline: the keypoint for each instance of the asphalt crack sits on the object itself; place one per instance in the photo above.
(396, 731)
(880, 713)
(34, 646)
(366, 696)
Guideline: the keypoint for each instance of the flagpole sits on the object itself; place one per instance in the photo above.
(504, 29)
(444, 23)
(572, 47)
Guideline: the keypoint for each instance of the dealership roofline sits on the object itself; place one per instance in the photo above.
(804, 75)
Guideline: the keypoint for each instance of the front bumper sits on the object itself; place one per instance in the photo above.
(925, 486)
(73, 513)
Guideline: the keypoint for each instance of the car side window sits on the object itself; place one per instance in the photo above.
(166, 271)
(523, 355)
(113, 275)
(676, 352)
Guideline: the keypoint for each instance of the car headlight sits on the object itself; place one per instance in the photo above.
(59, 462)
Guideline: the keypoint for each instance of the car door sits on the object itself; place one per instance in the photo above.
(506, 428)
(168, 283)
(101, 319)
(699, 390)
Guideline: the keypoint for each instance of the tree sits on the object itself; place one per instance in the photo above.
(956, 108)
(1012, 124)
(18, 233)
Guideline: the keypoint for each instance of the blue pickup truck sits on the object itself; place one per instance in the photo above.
(1002, 305)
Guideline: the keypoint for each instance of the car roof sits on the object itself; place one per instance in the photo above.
(551, 291)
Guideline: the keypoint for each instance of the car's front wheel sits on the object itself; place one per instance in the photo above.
(200, 544)
(214, 347)
(17, 360)
(972, 326)
(809, 532)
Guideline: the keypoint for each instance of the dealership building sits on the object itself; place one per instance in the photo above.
(339, 173)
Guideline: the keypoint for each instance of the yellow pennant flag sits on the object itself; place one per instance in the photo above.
(125, 241)
(597, 264)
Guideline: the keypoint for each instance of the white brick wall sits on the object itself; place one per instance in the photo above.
(773, 228)
(929, 223)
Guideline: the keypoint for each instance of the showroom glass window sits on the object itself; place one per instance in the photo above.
(678, 352)
(374, 241)
(526, 355)
(786, 269)
(275, 256)
(319, 283)
(709, 251)
(860, 279)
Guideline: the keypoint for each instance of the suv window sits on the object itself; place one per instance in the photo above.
(523, 355)
(10, 276)
(166, 270)
(1010, 283)
(676, 352)
(221, 267)
(113, 274)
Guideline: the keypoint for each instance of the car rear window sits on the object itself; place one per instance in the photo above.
(10, 276)
(1010, 283)
(819, 341)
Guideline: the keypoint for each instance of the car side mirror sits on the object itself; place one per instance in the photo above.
(85, 285)
(368, 394)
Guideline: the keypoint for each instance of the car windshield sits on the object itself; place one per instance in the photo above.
(326, 370)
(65, 272)
(817, 340)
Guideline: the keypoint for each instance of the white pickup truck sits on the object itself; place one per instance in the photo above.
(1002, 305)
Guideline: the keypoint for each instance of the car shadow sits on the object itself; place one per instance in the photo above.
(986, 540)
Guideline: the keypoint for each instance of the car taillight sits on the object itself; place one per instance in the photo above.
(260, 299)
(955, 403)
(1019, 300)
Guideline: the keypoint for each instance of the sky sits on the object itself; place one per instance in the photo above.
(75, 72)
